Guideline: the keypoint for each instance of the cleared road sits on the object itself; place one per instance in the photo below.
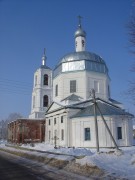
(17, 168)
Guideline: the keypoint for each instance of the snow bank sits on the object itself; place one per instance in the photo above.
(113, 163)
(122, 166)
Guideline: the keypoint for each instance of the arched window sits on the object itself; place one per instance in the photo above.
(33, 101)
(45, 79)
(35, 80)
(45, 101)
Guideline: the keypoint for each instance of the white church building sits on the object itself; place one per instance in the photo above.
(64, 94)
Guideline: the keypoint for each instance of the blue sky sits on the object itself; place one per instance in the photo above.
(29, 26)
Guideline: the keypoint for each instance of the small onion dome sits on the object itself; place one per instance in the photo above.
(80, 32)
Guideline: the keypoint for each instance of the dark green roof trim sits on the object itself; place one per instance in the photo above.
(105, 108)
(114, 101)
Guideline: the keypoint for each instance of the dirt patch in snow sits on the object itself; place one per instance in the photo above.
(85, 170)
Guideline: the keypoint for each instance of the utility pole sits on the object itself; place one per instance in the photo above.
(107, 128)
(96, 107)
(95, 119)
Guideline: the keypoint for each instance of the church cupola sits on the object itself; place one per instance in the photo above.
(80, 37)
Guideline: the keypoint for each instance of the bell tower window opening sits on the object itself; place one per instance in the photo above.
(33, 101)
(36, 80)
(83, 43)
(76, 43)
(45, 80)
(45, 101)
(72, 86)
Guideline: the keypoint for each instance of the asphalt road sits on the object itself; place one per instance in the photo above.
(17, 168)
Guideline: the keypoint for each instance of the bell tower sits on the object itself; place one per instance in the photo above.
(42, 90)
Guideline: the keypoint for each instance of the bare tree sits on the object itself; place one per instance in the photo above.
(13, 117)
(4, 124)
(131, 31)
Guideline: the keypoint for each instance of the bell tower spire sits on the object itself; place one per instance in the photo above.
(80, 37)
(44, 58)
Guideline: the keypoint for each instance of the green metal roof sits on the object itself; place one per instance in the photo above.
(105, 108)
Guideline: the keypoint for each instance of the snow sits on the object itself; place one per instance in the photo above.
(62, 150)
(121, 165)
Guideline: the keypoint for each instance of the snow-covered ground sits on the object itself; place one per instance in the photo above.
(121, 165)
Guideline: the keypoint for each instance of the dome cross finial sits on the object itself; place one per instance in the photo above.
(44, 51)
(79, 18)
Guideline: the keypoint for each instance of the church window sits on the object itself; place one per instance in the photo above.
(49, 135)
(96, 86)
(54, 120)
(45, 79)
(76, 43)
(62, 134)
(33, 101)
(61, 119)
(49, 122)
(55, 132)
(35, 80)
(87, 134)
(119, 132)
(108, 91)
(45, 101)
(56, 90)
(72, 86)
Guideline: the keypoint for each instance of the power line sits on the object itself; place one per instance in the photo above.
(15, 82)
(15, 87)
(6, 90)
